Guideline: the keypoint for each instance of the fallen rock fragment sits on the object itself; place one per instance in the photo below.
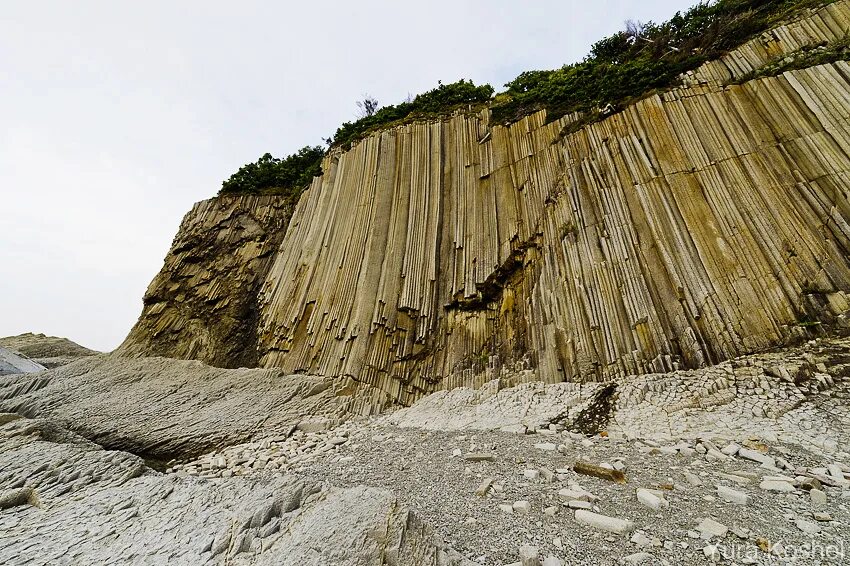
(603, 522)
(730, 495)
(709, 528)
(529, 555)
(651, 500)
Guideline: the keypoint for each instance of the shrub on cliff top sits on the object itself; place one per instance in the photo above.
(270, 175)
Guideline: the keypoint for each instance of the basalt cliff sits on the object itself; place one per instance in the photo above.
(696, 225)
(615, 340)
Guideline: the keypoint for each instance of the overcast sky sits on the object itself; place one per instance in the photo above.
(115, 117)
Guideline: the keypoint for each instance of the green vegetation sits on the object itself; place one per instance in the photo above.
(272, 176)
(644, 58)
(619, 69)
(434, 103)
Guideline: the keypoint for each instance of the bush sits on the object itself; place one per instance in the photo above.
(438, 101)
(270, 175)
(646, 57)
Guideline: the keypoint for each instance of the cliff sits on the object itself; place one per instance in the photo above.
(696, 225)
(203, 303)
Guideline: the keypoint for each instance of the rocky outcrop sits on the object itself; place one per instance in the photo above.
(68, 501)
(162, 409)
(694, 226)
(48, 351)
(12, 363)
(203, 303)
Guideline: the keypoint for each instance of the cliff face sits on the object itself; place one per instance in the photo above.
(690, 228)
(203, 304)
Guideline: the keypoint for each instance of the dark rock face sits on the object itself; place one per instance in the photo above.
(202, 305)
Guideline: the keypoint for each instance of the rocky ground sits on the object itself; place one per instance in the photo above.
(742, 463)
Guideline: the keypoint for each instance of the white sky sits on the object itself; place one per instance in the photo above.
(116, 116)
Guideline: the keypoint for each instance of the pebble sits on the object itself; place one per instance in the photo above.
(522, 507)
(807, 526)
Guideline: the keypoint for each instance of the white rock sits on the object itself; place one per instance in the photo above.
(602, 522)
(529, 555)
(531, 474)
(509, 509)
(638, 558)
(522, 507)
(712, 553)
(552, 561)
(551, 511)
(640, 540)
(709, 528)
(807, 526)
(731, 449)
(579, 504)
(576, 495)
(756, 456)
(457, 453)
(777, 485)
(818, 497)
(547, 446)
(732, 496)
(649, 499)
(692, 478)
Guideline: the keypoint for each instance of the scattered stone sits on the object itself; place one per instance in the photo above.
(712, 553)
(822, 517)
(529, 555)
(522, 507)
(550, 511)
(730, 495)
(651, 500)
(756, 456)
(531, 474)
(709, 528)
(509, 509)
(604, 523)
(638, 558)
(807, 526)
(552, 561)
(547, 446)
(692, 478)
(818, 497)
(640, 540)
(485, 486)
(777, 485)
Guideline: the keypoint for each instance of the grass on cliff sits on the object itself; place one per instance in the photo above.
(620, 69)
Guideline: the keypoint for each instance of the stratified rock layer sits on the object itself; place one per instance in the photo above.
(203, 304)
(70, 502)
(163, 408)
(693, 226)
